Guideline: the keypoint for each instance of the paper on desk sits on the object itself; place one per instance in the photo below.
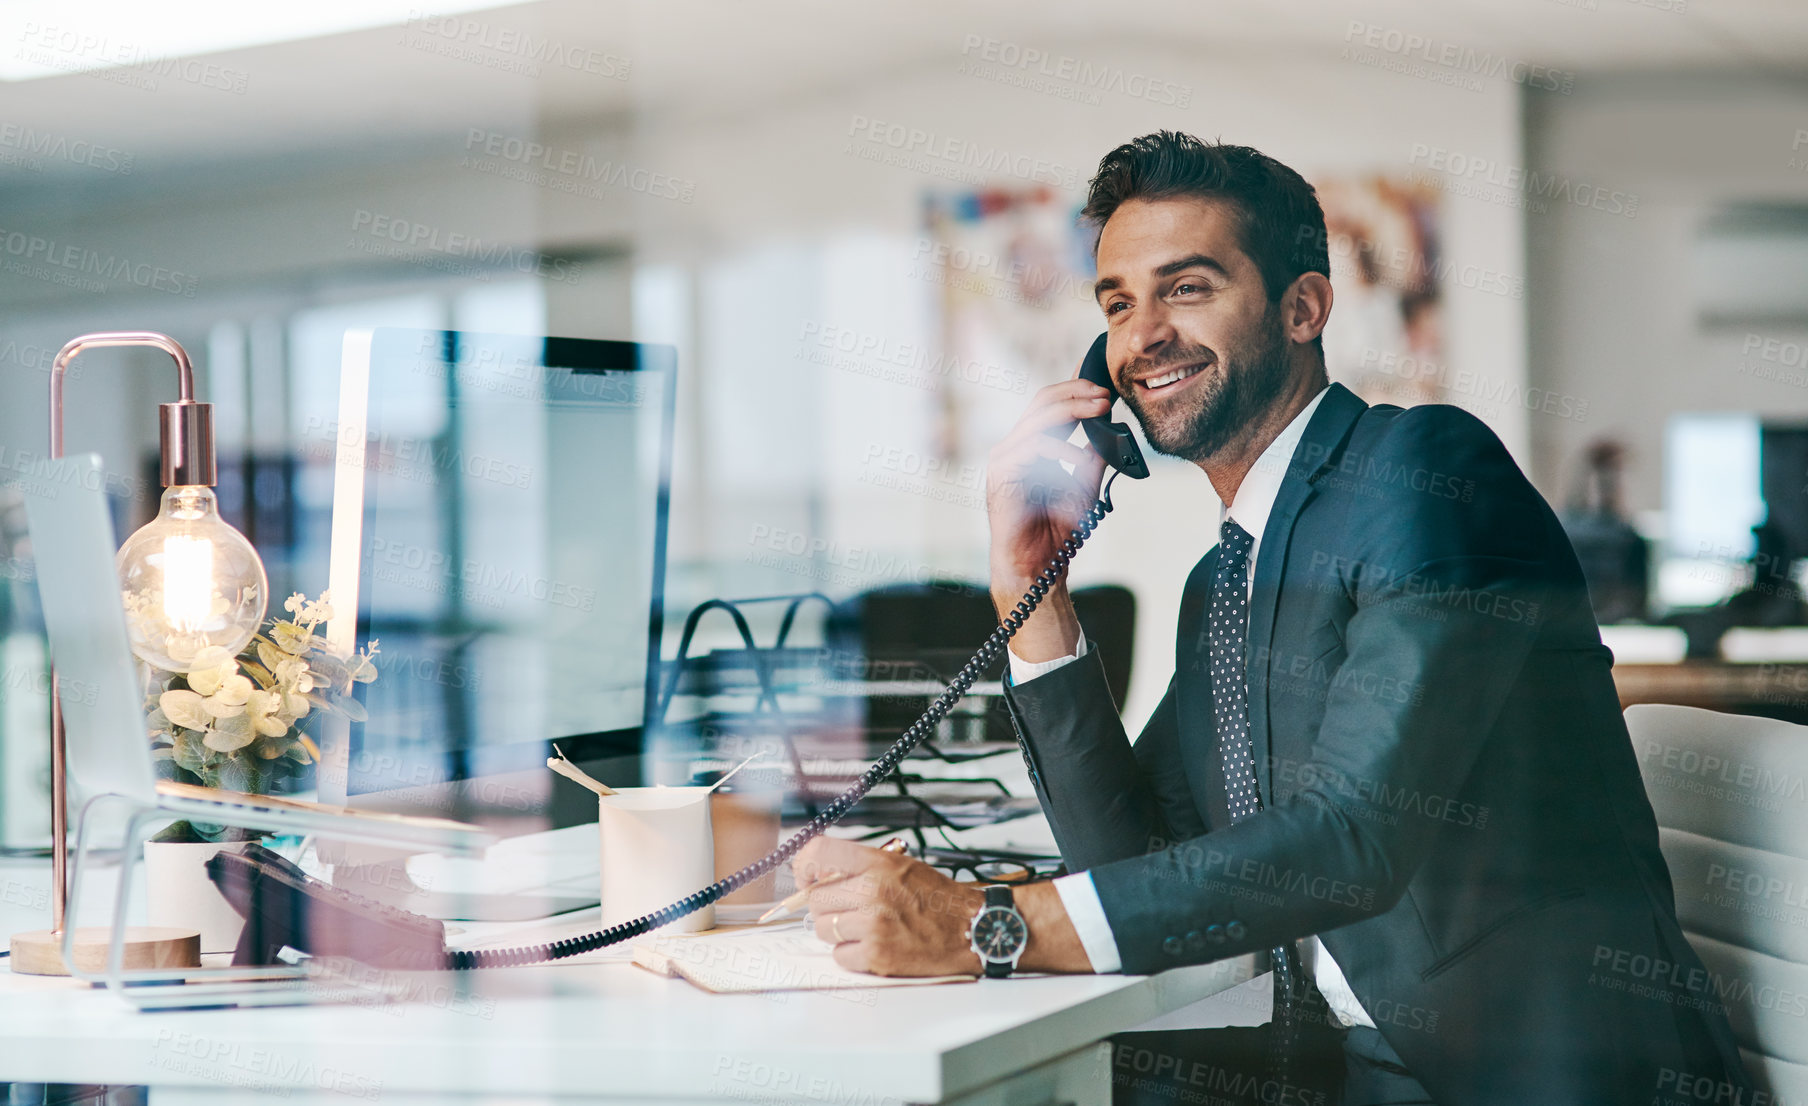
(772, 958)
(1031, 834)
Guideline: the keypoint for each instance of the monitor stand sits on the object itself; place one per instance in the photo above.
(458, 889)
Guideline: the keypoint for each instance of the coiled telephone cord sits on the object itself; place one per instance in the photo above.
(466, 959)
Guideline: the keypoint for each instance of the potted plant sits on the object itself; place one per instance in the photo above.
(236, 723)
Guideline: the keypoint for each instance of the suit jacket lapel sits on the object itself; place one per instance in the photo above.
(1324, 435)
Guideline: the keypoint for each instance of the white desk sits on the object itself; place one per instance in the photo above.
(604, 1032)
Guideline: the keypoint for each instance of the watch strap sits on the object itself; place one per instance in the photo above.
(999, 894)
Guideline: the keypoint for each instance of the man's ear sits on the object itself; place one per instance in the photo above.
(1307, 307)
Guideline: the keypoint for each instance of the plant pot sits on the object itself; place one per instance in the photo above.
(181, 895)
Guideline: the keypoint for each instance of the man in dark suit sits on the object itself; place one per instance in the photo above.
(1391, 755)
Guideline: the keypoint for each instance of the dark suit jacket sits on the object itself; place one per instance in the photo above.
(1452, 801)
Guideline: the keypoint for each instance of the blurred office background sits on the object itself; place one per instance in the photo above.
(1586, 221)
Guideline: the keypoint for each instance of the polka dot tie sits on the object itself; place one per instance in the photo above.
(1227, 629)
(1227, 632)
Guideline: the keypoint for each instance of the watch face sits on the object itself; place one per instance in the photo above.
(999, 933)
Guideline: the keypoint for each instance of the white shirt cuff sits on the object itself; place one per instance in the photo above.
(1022, 671)
(1081, 901)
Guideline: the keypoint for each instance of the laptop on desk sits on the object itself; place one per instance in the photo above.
(109, 751)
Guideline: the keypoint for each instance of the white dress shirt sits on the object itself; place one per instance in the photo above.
(1254, 500)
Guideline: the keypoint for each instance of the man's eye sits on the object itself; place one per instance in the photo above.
(1111, 308)
(1187, 287)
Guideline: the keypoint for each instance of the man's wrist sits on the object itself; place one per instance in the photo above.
(1051, 632)
(1022, 671)
(1054, 946)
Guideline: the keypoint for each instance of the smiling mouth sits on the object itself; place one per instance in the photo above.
(1173, 376)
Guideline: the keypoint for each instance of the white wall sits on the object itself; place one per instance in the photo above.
(1614, 317)
(785, 228)
(782, 177)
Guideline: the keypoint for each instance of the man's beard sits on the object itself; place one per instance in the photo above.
(1247, 384)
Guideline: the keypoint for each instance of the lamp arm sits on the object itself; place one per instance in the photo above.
(59, 782)
(185, 371)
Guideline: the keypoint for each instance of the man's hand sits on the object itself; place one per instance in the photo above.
(1032, 504)
(892, 915)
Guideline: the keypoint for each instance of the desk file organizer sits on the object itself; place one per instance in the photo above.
(839, 676)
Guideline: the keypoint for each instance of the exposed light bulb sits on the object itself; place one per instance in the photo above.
(190, 582)
(187, 582)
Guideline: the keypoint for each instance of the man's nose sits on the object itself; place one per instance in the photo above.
(1150, 332)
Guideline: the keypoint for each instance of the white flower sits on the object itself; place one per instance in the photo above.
(309, 612)
(290, 638)
(363, 665)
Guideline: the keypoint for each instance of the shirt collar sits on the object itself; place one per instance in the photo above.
(1256, 495)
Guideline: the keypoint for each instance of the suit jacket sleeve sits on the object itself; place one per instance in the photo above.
(1447, 594)
(1105, 798)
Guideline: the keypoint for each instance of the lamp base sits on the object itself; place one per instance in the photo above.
(40, 952)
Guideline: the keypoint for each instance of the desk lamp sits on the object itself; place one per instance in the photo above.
(190, 582)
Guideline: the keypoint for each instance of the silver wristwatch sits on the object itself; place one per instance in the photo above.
(998, 933)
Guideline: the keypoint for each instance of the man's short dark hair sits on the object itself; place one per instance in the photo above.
(1279, 222)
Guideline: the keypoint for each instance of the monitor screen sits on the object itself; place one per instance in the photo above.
(1726, 475)
(507, 538)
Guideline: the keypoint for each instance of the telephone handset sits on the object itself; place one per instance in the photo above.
(283, 891)
(1113, 440)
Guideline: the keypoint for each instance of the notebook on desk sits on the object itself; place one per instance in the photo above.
(764, 958)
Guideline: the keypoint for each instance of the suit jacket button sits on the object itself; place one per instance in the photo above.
(1195, 941)
(1173, 946)
(1215, 934)
(1237, 930)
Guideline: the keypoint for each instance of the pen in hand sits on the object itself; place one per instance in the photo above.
(798, 900)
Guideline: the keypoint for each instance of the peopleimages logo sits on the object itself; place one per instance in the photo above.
(931, 150)
(1486, 178)
(920, 365)
(80, 51)
(1490, 393)
(414, 458)
(1011, 62)
(34, 147)
(468, 39)
(455, 244)
(566, 170)
(1450, 62)
(85, 269)
(1351, 253)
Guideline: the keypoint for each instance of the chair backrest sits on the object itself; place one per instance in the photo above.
(941, 623)
(1731, 796)
(1108, 614)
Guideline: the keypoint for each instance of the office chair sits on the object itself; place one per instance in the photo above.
(935, 626)
(1732, 820)
(1107, 612)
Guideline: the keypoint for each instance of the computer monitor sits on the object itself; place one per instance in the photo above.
(1725, 477)
(1783, 479)
(499, 529)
